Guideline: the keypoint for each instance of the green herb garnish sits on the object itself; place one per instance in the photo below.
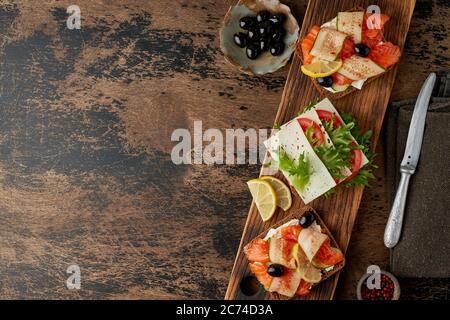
(365, 173)
(342, 137)
(333, 159)
(276, 126)
(309, 133)
(329, 192)
(298, 170)
(309, 106)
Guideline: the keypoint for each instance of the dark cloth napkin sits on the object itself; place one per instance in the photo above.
(424, 248)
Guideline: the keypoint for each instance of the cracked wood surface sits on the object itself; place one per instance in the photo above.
(85, 171)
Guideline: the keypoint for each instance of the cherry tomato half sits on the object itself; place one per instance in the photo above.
(318, 135)
(357, 155)
(325, 115)
(356, 161)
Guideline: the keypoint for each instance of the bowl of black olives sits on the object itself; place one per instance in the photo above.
(259, 36)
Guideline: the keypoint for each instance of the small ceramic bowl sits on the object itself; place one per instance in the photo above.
(396, 294)
(265, 63)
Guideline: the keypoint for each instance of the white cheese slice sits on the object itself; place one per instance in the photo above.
(294, 222)
(356, 84)
(315, 226)
(326, 104)
(312, 115)
(275, 231)
(292, 139)
(332, 24)
(329, 269)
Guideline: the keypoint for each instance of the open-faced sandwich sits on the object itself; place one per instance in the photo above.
(319, 150)
(344, 53)
(295, 255)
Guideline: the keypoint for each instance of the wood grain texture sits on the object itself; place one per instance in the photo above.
(368, 106)
(85, 169)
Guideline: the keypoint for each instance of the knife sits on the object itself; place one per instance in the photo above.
(409, 162)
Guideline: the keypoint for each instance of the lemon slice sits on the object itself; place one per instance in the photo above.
(321, 68)
(284, 198)
(264, 196)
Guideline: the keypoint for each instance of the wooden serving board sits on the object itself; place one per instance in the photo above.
(368, 106)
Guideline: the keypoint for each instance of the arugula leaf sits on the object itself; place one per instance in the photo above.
(335, 159)
(329, 125)
(347, 117)
(332, 159)
(329, 192)
(300, 171)
(342, 136)
(343, 139)
(276, 126)
(362, 139)
(309, 106)
(309, 133)
(365, 173)
(363, 177)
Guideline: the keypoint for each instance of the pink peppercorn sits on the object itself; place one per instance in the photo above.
(386, 291)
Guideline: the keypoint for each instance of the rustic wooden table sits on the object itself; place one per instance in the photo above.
(86, 176)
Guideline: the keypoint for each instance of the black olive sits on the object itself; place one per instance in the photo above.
(263, 44)
(278, 19)
(275, 270)
(277, 35)
(325, 82)
(262, 16)
(276, 48)
(265, 29)
(362, 50)
(240, 39)
(247, 22)
(306, 220)
(253, 51)
(253, 34)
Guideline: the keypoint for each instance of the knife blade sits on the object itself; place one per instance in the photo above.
(417, 126)
(409, 163)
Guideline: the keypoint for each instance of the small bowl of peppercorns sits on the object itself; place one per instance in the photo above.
(388, 287)
(259, 36)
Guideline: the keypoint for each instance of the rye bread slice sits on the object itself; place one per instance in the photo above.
(330, 95)
(297, 215)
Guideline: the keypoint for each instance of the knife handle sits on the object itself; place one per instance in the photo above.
(394, 225)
